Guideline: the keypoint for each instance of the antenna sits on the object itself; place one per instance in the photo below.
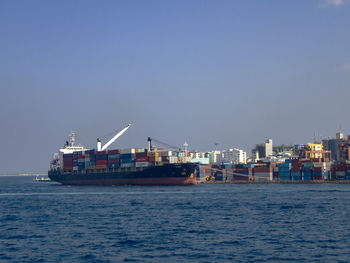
(72, 138)
(186, 146)
(315, 137)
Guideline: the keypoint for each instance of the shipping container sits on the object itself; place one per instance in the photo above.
(101, 157)
(127, 151)
(101, 166)
(101, 162)
(113, 161)
(127, 161)
(296, 175)
(142, 164)
(113, 156)
(111, 152)
(113, 165)
(127, 165)
(127, 156)
(284, 176)
(142, 159)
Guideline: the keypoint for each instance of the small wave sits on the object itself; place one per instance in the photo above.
(129, 242)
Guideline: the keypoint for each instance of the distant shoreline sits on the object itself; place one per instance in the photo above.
(3, 175)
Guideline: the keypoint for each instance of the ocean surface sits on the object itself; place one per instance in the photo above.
(49, 222)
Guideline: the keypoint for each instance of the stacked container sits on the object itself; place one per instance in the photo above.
(101, 160)
(68, 162)
(284, 171)
(90, 159)
(320, 171)
(347, 174)
(339, 171)
(113, 159)
(307, 171)
(295, 172)
(247, 174)
(263, 173)
(127, 158)
(141, 158)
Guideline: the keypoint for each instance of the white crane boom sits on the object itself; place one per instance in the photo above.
(112, 140)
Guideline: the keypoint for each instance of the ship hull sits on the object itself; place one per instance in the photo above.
(168, 174)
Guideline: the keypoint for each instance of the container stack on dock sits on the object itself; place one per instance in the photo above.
(338, 171)
(284, 171)
(307, 170)
(320, 171)
(243, 174)
(263, 174)
(296, 170)
(292, 170)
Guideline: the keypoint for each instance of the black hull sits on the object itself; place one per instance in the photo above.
(167, 174)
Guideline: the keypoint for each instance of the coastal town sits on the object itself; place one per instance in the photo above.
(325, 160)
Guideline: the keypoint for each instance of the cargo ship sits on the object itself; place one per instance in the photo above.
(76, 165)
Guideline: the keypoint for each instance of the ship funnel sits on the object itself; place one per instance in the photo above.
(99, 145)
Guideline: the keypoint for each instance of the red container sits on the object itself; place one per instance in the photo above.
(102, 162)
(144, 154)
(67, 167)
(262, 170)
(114, 151)
(102, 153)
(317, 169)
(141, 159)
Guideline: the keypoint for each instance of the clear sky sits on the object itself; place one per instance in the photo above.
(228, 72)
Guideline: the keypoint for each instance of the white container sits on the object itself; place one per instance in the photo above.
(129, 150)
(340, 173)
(142, 164)
(125, 165)
(173, 159)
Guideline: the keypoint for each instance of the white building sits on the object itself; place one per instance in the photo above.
(215, 157)
(268, 148)
(234, 155)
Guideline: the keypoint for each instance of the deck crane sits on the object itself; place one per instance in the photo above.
(150, 147)
(99, 143)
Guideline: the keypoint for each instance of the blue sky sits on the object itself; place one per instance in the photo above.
(226, 72)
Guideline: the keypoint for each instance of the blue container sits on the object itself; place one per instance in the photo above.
(127, 160)
(113, 166)
(347, 175)
(113, 156)
(296, 176)
(284, 165)
(284, 175)
(219, 178)
(127, 156)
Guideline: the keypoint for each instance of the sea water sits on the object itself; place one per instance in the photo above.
(49, 222)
